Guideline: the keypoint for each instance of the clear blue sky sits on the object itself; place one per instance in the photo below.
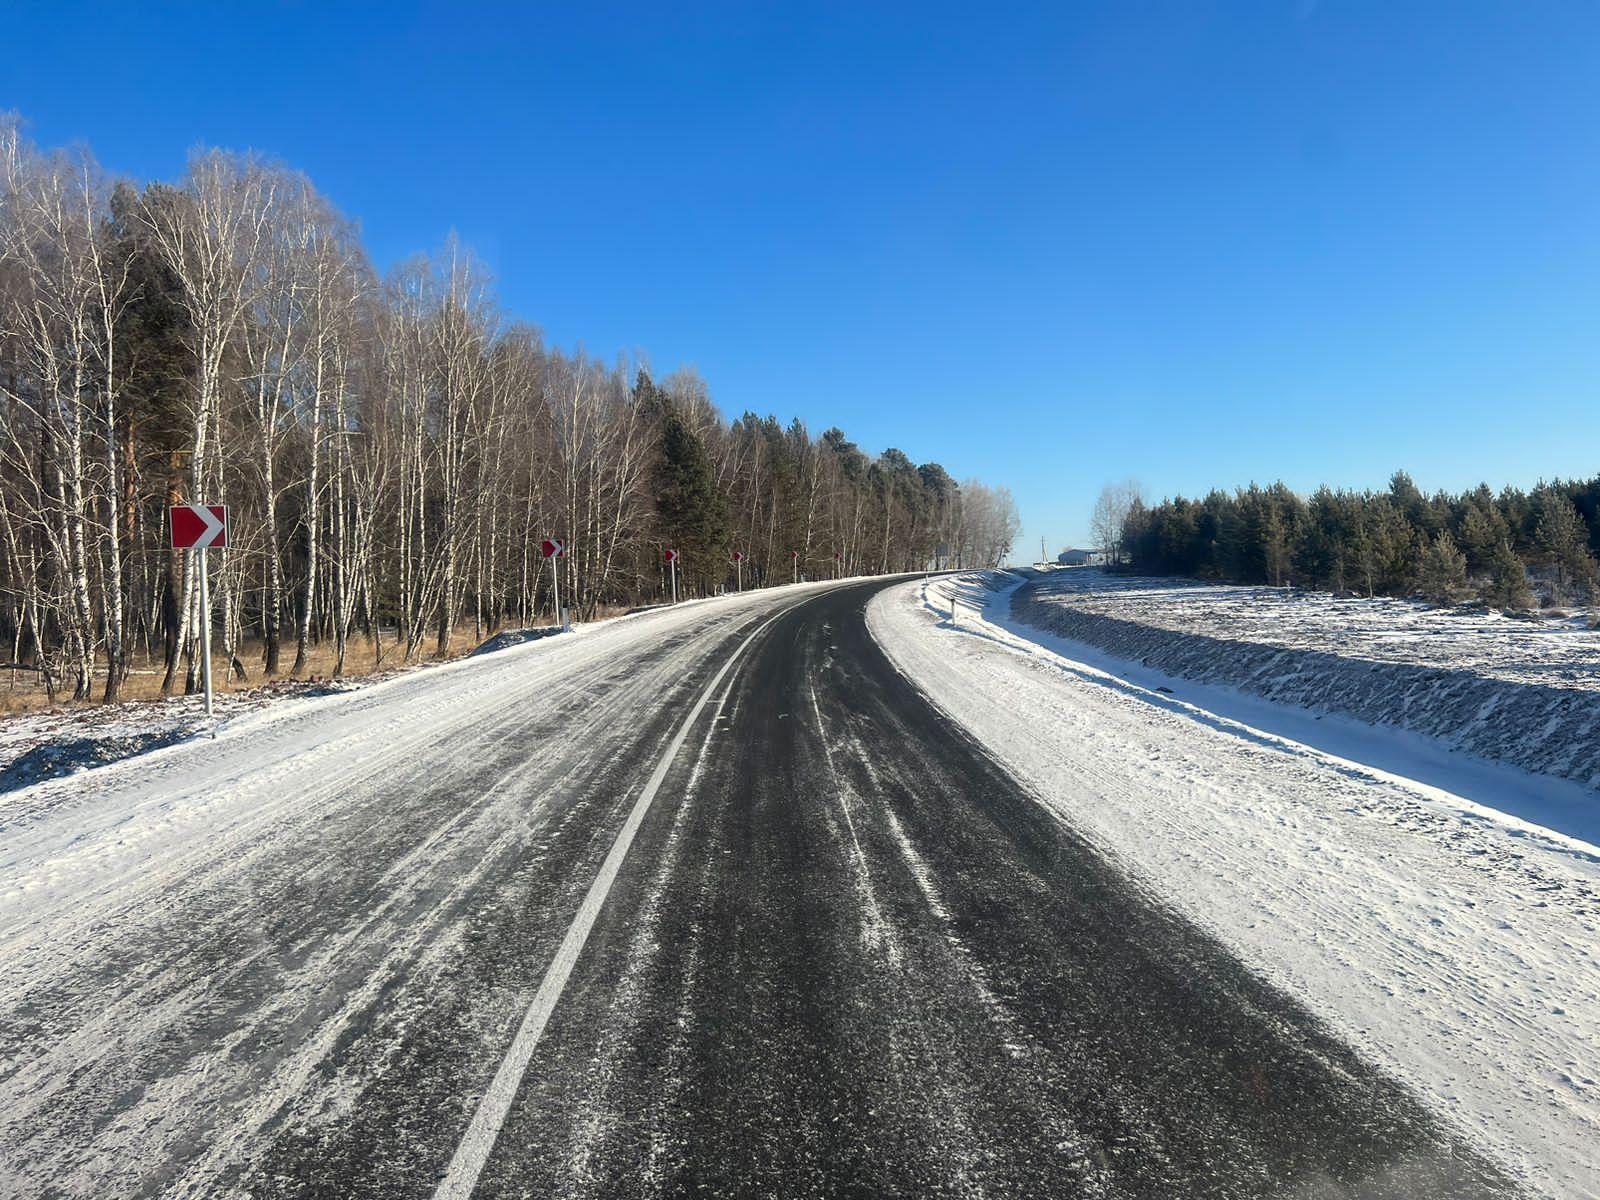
(1194, 243)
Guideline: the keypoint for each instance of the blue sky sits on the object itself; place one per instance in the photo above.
(1194, 243)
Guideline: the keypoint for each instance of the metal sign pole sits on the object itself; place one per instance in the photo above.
(555, 580)
(674, 565)
(205, 628)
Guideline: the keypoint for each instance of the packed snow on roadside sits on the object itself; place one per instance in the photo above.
(1521, 691)
(53, 743)
(1451, 942)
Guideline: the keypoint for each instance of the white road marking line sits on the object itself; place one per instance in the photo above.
(477, 1143)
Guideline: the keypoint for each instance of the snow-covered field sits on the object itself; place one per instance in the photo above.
(1453, 943)
(1519, 691)
(1562, 652)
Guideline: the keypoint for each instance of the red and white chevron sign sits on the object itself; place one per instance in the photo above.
(196, 526)
(554, 548)
(738, 556)
(672, 556)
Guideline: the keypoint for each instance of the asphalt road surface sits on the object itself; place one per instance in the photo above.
(722, 907)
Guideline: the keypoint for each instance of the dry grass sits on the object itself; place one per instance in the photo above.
(24, 692)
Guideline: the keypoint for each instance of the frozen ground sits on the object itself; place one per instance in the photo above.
(1520, 691)
(1452, 943)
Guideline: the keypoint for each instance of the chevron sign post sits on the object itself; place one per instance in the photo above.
(738, 564)
(196, 528)
(672, 564)
(555, 548)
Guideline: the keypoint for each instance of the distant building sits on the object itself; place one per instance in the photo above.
(1076, 558)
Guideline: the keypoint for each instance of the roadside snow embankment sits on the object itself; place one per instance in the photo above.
(1451, 944)
(37, 746)
(1520, 692)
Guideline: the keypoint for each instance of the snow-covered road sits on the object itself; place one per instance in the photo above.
(1455, 949)
(161, 916)
(712, 900)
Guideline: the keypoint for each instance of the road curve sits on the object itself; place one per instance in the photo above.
(844, 955)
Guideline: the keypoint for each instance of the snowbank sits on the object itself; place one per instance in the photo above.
(1510, 690)
(1451, 945)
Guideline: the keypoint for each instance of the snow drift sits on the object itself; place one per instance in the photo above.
(1514, 691)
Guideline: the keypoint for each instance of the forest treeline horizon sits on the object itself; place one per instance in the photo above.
(1493, 547)
(392, 450)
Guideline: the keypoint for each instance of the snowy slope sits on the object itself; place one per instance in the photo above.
(1450, 944)
(1522, 692)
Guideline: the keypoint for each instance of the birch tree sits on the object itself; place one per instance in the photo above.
(392, 454)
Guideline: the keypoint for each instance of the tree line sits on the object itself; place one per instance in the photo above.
(392, 450)
(1491, 546)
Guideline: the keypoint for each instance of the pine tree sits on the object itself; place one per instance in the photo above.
(1409, 502)
(1564, 540)
(1379, 543)
(1394, 546)
(693, 511)
(157, 349)
(1442, 575)
(1482, 530)
(1507, 585)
